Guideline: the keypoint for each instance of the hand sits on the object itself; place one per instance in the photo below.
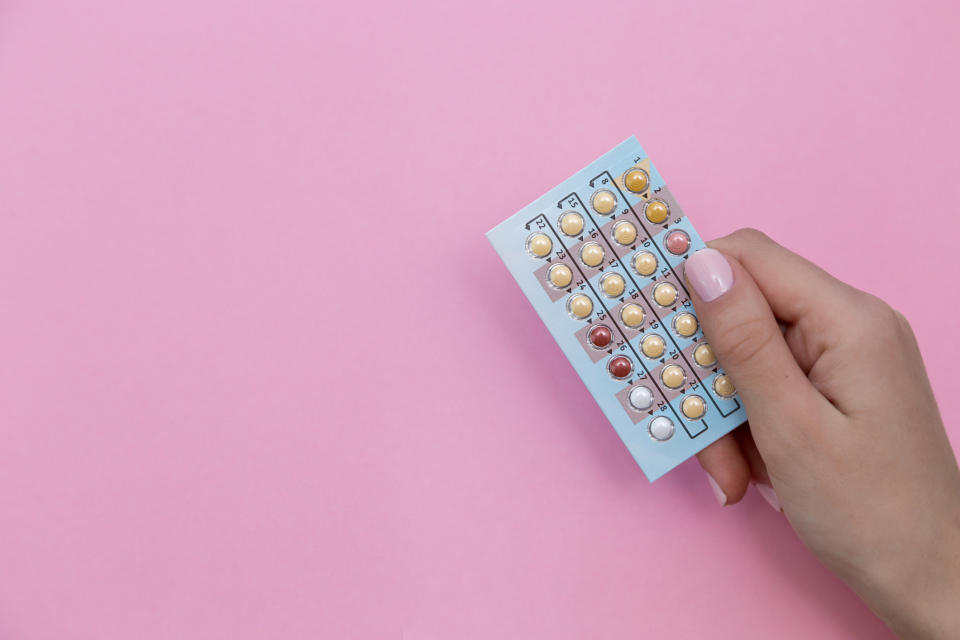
(844, 433)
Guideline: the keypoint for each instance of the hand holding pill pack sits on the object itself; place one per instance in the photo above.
(601, 257)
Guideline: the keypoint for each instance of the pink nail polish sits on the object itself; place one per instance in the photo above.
(709, 273)
(717, 491)
(769, 495)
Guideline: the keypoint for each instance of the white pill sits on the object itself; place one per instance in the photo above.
(641, 398)
(661, 428)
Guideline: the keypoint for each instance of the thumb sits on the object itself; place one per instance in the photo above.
(744, 334)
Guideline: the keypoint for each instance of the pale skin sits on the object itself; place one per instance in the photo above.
(844, 437)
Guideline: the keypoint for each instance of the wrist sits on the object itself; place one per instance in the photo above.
(917, 589)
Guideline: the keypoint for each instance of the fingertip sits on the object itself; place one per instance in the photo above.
(791, 284)
(717, 491)
(728, 473)
(744, 333)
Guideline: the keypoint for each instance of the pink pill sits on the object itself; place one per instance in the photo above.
(677, 242)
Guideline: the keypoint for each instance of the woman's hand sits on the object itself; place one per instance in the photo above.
(844, 434)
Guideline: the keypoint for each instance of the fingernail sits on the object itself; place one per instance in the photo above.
(717, 491)
(769, 495)
(709, 273)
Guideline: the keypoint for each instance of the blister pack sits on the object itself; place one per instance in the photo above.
(601, 258)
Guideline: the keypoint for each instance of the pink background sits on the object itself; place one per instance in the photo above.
(262, 376)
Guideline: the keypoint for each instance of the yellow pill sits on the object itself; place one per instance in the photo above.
(693, 407)
(704, 356)
(673, 376)
(652, 346)
(540, 245)
(591, 254)
(603, 202)
(656, 211)
(571, 223)
(645, 263)
(580, 306)
(636, 180)
(632, 315)
(613, 285)
(685, 324)
(560, 275)
(724, 386)
(624, 232)
(665, 294)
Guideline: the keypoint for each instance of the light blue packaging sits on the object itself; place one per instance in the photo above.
(646, 432)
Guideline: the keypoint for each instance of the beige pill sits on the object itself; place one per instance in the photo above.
(580, 306)
(704, 356)
(693, 407)
(685, 324)
(624, 233)
(540, 245)
(591, 254)
(645, 263)
(636, 180)
(652, 346)
(571, 223)
(673, 376)
(656, 211)
(560, 275)
(613, 285)
(665, 294)
(723, 386)
(604, 202)
(632, 315)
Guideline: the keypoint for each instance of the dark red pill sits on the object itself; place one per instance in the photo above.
(620, 367)
(600, 336)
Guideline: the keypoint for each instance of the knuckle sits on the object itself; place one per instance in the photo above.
(902, 322)
(750, 235)
(883, 318)
(742, 240)
(744, 341)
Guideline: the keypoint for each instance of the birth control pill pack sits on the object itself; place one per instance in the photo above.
(601, 259)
